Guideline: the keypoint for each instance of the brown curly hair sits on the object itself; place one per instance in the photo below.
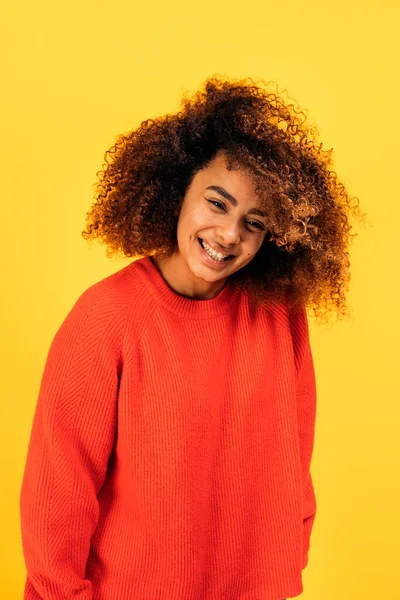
(304, 259)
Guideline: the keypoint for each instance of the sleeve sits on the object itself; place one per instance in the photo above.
(306, 410)
(71, 439)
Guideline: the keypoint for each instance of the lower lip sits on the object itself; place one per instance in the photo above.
(210, 261)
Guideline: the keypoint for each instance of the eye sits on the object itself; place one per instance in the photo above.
(256, 224)
(214, 202)
(220, 205)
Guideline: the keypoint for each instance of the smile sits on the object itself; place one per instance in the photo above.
(216, 256)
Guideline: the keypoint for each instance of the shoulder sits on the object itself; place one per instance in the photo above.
(277, 313)
(294, 320)
(288, 322)
(104, 307)
(300, 333)
(293, 324)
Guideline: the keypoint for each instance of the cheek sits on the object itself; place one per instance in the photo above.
(254, 246)
(191, 222)
(186, 231)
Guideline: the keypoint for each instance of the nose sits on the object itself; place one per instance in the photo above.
(229, 233)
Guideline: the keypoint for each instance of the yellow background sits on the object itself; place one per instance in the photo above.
(77, 73)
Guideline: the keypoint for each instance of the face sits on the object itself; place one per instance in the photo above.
(221, 227)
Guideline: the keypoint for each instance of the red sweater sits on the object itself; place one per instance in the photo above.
(170, 450)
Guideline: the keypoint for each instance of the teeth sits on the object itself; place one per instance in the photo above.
(209, 250)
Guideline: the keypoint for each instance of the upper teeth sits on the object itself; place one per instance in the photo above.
(213, 253)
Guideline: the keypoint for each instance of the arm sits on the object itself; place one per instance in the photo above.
(71, 440)
(306, 407)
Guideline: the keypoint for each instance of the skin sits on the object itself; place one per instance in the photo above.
(208, 215)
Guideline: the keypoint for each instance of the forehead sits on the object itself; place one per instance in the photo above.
(236, 181)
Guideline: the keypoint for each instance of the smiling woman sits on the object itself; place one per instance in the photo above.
(170, 451)
(243, 134)
(214, 238)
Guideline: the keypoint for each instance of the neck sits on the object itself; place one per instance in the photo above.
(181, 280)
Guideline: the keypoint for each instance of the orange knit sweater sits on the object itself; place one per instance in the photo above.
(170, 450)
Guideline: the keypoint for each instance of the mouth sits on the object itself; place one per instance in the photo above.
(216, 256)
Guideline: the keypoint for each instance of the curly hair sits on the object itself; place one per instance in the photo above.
(304, 258)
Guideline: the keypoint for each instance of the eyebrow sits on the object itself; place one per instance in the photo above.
(232, 200)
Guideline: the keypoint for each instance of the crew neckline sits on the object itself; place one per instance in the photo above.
(189, 307)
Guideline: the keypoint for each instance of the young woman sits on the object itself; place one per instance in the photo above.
(171, 445)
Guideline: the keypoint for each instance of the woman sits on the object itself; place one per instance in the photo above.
(171, 445)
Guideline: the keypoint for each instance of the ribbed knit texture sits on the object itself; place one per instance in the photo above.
(170, 450)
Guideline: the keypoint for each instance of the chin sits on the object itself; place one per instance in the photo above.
(209, 277)
(203, 273)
